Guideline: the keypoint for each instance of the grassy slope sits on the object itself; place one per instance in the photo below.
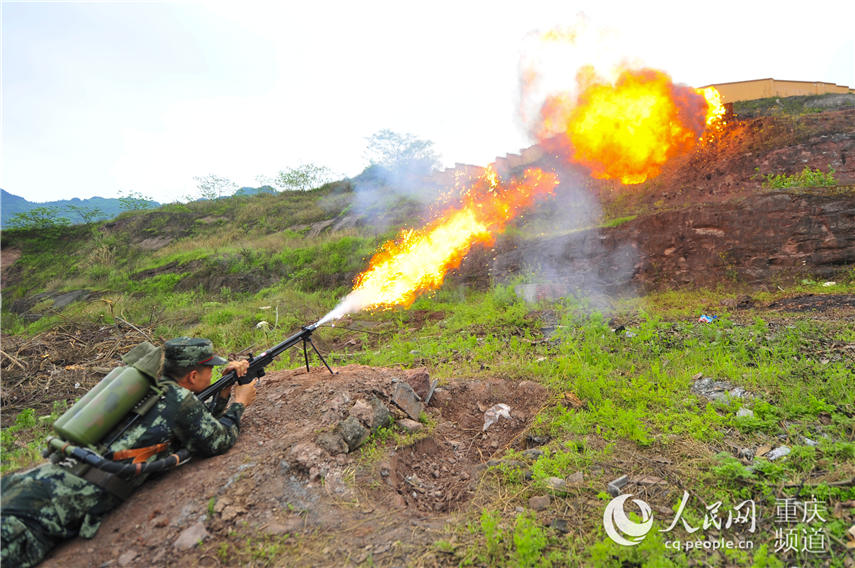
(635, 387)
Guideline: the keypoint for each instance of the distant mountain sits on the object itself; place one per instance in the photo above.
(101, 208)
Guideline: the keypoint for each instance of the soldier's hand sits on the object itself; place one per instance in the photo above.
(245, 394)
(226, 393)
(240, 367)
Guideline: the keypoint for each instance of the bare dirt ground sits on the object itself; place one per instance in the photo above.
(269, 489)
(7, 259)
(60, 364)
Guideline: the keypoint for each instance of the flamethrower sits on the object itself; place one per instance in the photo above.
(59, 448)
(257, 363)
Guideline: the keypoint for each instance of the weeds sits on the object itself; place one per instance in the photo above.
(806, 178)
(23, 441)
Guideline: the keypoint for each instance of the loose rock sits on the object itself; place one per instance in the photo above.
(380, 415)
(717, 390)
(539, 502)
(306, 454)
(576, 478)
(615, 486)
(532, 453)
(410, 426)
(337, 401)
(407, 400)
(333, 443)
(352, 432)
(419, 381)
(232, 511)
(778, 452)
(363, 412)
(190, 537)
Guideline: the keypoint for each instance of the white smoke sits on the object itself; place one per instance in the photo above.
(562, 251)
(354, 302)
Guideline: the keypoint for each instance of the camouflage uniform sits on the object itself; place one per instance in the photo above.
(49, 503)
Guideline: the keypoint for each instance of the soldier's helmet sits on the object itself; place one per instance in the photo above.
(190, 351)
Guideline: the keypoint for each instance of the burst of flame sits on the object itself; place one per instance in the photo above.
(715, 108)
(629, 129)
(418, 260)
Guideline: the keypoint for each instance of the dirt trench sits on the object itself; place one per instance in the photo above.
(276, 485)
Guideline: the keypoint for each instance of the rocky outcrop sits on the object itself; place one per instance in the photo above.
(772, 236)
(769, 237)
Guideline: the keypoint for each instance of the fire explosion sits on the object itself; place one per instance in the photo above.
(623, 130)
(419, 259)
(627, 130)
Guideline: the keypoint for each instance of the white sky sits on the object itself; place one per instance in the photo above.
(100, 98)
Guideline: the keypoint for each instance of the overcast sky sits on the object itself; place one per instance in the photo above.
(101, 98)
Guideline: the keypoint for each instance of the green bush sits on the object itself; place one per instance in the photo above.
(806, 178)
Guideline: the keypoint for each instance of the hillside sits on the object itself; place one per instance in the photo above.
(583, 319)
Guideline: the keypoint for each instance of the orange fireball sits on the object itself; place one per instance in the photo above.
(627, 130)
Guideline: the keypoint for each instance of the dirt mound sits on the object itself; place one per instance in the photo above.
(277, 484)
(440, 472)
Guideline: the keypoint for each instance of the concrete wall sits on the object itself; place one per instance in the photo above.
(763, 88)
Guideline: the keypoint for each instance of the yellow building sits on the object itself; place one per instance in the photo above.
(763, 88)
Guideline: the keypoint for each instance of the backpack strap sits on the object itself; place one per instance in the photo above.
(140, 455)
(112, 484)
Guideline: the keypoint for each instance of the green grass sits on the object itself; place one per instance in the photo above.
(616, 222)
(22, 442)
(637, 391)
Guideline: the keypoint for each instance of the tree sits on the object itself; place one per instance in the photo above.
(134, 201)
(45, 219)
(213, 186)
(396, 151)
(87, 214)
(302, 178)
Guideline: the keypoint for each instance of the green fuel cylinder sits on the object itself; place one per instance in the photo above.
(84, 400)
(105, 409)
(99, 410)
(139, 353)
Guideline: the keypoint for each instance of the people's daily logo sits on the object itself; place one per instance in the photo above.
(620, 527)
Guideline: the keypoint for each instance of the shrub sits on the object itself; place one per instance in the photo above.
(806, 178)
